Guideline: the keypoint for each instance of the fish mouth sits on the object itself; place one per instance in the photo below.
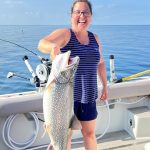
(67, 58)
(73, 61)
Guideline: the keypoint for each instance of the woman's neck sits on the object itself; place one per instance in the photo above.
(79, 32)
(82, 36)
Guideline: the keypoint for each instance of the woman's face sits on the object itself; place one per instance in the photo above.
(81, 16)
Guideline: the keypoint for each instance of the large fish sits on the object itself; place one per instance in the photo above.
(58, 100)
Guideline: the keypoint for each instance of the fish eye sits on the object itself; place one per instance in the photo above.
(74, 68)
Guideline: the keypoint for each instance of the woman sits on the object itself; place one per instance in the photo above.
(86, 45)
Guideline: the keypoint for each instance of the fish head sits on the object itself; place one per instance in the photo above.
(63, 68)
(67, 72)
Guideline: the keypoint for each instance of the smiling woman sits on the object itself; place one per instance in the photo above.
(86, 45)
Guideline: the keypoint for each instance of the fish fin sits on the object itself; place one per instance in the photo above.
(46, 130)
(75, 123)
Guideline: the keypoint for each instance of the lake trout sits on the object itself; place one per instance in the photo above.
(58, 100)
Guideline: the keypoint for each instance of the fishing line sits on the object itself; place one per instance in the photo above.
(18, 46)
(23, 48)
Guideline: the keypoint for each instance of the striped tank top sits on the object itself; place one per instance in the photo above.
(85, 81)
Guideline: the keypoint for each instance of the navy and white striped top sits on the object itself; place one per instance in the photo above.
(85, 82)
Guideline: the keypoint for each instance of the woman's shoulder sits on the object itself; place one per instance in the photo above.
(96, 37)
(94, 34)
(62, 35)
(65, 34)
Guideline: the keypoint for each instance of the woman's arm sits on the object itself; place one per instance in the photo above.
(52, 43)
(102, 72)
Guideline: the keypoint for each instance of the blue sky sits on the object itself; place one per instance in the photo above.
(56, 12)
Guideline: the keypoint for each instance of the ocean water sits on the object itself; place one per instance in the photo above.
(129, 44)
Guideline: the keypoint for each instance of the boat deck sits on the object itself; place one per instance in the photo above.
(120, 140)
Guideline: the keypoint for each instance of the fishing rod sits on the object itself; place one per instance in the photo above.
(132, 76)
(11, 74)
(40, 76)
(41, 58)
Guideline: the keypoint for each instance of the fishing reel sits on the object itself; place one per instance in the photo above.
(43, 71)
(39, 76)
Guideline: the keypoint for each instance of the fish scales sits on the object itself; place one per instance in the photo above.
(58, 100)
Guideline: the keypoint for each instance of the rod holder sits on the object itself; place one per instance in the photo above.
(113, 77)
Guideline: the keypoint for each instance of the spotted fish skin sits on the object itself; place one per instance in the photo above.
(58, 100)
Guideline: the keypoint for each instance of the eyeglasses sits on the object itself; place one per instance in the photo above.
(79, 13)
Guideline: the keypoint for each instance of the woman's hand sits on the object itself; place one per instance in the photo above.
(55, 50)
(104, 94)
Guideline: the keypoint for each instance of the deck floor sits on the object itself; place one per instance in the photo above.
(116, 141)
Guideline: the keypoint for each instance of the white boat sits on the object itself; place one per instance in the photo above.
(122, 124)
(125, 124)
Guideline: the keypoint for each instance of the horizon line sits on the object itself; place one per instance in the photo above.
(69, 24)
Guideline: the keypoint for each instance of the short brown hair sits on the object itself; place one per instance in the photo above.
(86, 1)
